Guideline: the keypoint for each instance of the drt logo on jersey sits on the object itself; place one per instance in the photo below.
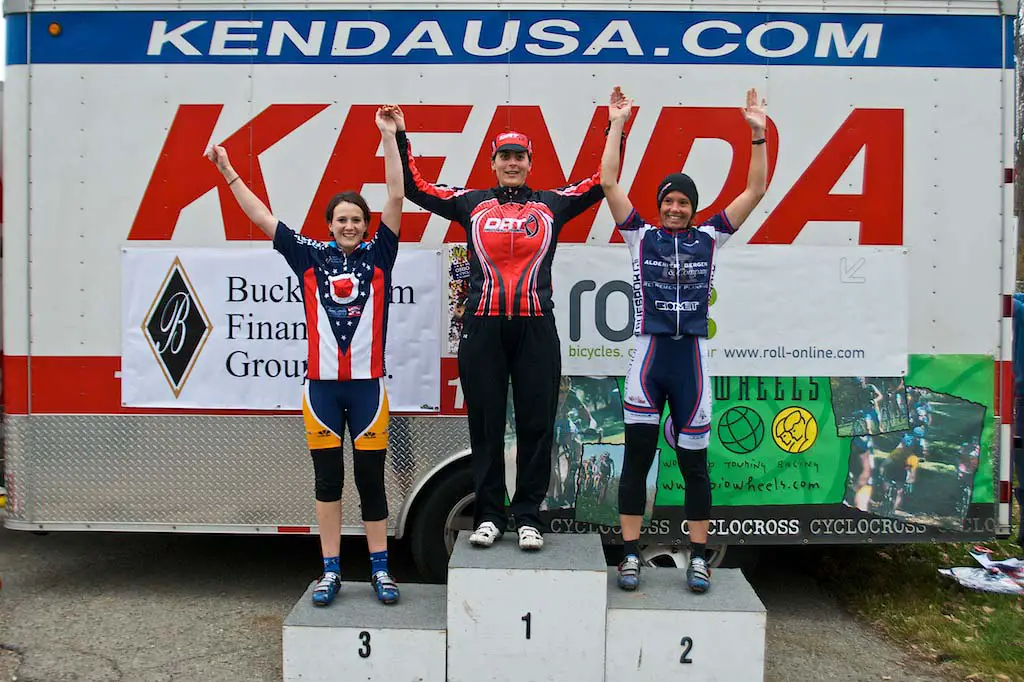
(176, 327)
(529, 225)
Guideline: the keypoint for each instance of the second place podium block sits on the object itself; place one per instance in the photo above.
(662, 631)
(527, 616)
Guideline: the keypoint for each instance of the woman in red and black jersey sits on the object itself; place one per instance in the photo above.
(508, 326)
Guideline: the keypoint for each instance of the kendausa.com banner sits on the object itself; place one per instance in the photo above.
(225, 328)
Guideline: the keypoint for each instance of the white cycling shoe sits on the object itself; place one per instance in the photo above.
(530, 538)
(485, 535)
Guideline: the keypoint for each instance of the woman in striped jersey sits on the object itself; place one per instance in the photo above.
(345, 295)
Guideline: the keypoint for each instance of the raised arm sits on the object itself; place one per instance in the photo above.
(619, 109)
(251, 205)
(439, 199)
(387, 122)
(757, 177)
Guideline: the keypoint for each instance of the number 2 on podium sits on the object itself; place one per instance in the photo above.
(687, 644)
(526, 619)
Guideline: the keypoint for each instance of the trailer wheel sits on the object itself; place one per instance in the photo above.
(446, 509)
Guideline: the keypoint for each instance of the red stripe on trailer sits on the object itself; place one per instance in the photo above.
(293, 529)
(15, 384)
(80, 385)
(87, 385)
(1005, 492)
(1004, 391)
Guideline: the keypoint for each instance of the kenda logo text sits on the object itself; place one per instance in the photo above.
(182, 176)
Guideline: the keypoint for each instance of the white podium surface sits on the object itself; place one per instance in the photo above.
(359, 639)
(663, 631)
(520, 616)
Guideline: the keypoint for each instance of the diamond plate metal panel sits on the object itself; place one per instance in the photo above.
(185, 469)
(14, 462)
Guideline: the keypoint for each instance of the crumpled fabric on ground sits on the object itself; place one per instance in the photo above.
(1003, 576)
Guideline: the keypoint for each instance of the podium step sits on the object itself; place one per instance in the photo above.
(527, 616)
(664, 631)
(358, 638)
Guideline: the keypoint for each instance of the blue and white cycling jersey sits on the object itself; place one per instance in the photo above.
(672, 274)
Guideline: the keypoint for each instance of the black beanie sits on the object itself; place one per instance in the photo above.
(678, 182)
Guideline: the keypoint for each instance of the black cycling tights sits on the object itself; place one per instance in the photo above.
(329, 473)
(641, 446)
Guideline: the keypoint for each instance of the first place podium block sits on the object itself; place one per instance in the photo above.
(520, 616)
(358, 638)
(663, 631)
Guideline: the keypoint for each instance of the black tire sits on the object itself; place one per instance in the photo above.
(427, 535)
(744, 557)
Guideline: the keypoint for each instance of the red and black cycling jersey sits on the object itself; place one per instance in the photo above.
(511, 234)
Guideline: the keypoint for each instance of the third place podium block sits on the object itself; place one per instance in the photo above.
(662, 631)
(527, 616)
(357, 638)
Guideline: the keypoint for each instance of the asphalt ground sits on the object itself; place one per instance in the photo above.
(92, 607)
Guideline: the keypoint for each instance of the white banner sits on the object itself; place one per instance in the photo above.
(225, 328)
(776, 311)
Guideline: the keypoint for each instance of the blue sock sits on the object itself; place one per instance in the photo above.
(332, 565)
(378, 562)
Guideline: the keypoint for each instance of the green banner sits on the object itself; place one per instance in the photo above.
(773, 441)
(791, 441)
(917, 448)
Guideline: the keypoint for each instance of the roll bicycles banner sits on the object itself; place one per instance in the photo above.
(242, 330)
(775, 311)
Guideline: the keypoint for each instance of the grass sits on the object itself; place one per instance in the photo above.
(976, 636)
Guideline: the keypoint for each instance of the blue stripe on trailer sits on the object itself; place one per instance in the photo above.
(539, 37)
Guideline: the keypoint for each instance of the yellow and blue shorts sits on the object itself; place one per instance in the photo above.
(361, 404)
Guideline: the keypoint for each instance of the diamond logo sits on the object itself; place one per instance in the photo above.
(176, 327)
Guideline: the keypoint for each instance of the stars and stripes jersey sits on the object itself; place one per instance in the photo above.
(511, 233)
(346, 301)
(672, 274)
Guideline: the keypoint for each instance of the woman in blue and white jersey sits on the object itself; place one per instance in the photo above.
(672, 269)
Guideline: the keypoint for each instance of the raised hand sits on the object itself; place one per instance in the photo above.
(755, 114)
(397, 115)
(619, 106)
(385, 119)
(219, 157)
